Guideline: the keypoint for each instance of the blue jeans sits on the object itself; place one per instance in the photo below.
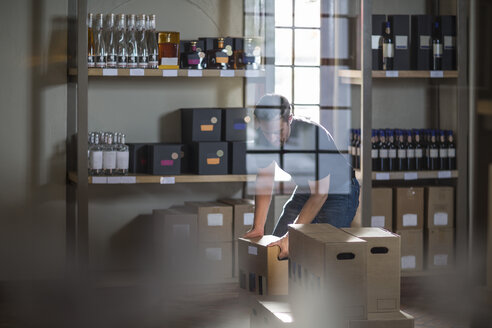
(338, 210)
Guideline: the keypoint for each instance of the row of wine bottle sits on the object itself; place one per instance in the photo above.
(107, 154)
(406, 150)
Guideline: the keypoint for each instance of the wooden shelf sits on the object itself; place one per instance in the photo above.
(426, 273)
(118, 72)
(409, 176)
(159, 179)
(355, 76)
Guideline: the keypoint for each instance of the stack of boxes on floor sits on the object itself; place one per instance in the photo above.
(336, 278)
(199, 237)
(424, 218)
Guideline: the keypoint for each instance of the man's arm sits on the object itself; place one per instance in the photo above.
(263, 197)
(319, 195)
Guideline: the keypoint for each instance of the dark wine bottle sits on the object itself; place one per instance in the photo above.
(393, 160)
(383, 152)
(388, 48)
(419, 153)
(451, 151)
(443, 152)
(411, 160)
(357, 149)
(375, 152)
(402, 151)
(437, 48)
(433, 152)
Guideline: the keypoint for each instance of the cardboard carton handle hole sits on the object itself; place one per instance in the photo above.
(345, 256)
(379, 250)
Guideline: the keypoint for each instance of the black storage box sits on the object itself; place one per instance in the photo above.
(237, 157)
(421, 42)
(201, 124)
(400, 25)
(164, 159)
(235, 123)
(211, 43)
(138, 162)
(184, 45)
(378, 22)
(448, 29)
(209, 158)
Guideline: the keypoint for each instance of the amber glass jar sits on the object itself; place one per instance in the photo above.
(168, 49)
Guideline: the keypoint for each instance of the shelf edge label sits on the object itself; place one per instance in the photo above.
(252, 73)
(411, 176)
(444, 174)
(114, 180)
(392, 74)
(129, 180)
(168, 180)
(195, 73)
(137, 72)
(99, 180)
(436, 74)
(170, 72)
(227, 73)
(382, 176)
(110, 72)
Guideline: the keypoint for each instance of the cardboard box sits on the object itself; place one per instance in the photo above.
(412, 250)
(260, 271)
(201, 124)
(409, 209)
(378, 22)
(216, 260)
(397, 319)
(440, 248)
(382, 210)
(421, 42)
(448, 29)
(138, 162)
(214, 221)
(209, 157)
(235, 122)
(271, 312)
(401, 31)
(327, 275)
(237, 157)
(440, 207)
(383, 268)
(164, 159)
(243, 212)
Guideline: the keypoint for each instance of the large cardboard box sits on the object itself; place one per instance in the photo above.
(409, 209)
(216, 260)
(383, 268)
(214, 221)
(440, 248)
(397, 319)
(268, 312)
(412, 250)
(440, 207)
(260, 271)
(327, 275)
(382, 210)
(243, 212)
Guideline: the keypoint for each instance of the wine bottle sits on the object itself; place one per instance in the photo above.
(451, 151)
(402, 151)
(419, 153)
(383, 152)
(411, 160)
(437, 48)
(388, 48)
(375, 152)
(433, 152)
(443, 152)
(392, 154)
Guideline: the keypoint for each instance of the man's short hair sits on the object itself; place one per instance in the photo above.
(271, 107)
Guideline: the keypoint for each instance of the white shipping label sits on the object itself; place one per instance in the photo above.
(215, 219)
(377, 221)
(109, 160)
(137, 72)
(213, 253)
(110, 72)
(252, 250)
(402, 153)
(434, 153)
(96, 160)
(451, 152)
(388, 50)
(248, 219)
(425, 41)
(401, 42)
(382, 176)
(383, 153)
(392, 153)
(169, 61)
(181, 230)
(443, 152)
(440, 219)
(411, 153)
(374, 153)
(170, 72)
(408, 262)
(375, 42)
(227, 73)
(441, 259)
(419, 153)
(122, 159)
(449, 42)
(409, 220)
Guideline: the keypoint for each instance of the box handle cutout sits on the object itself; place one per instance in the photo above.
(379, 250)
(345, 256)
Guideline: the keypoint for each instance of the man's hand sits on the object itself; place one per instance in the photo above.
(283, 243)
(254, 233)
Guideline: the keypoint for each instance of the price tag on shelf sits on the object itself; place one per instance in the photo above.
(227, 73)
(110, 72)
(129, 180)
(170, 72)
(436, 74)
(137, 72)
(382, 176)
(168, 180)
(391, 73)
(114, 180)
(252, 73)
(411, 176)
(99, 180)
(444, 174)
(195, 73)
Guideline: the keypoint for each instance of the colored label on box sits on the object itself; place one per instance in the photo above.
(213, 161)
(239, 126)
(206, 127)
(167, 162)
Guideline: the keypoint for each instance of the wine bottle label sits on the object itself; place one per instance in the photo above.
(401, 42)
(143, 61)
(109, 160)
(443, 152)
(434, 153)
(358, 151)
(122, 160)
(350, 150)
(425, 42)
(122, 61)
(153, 58)
(375, 42)
(392, 153)
(354, 151)
(402, 153)
(100, 61)
(419, 153)
(132, 61)
(388, 50)
(437, 49)
(111, 59)
(383, 153)
(449, 42)
(451, 152)
(374, 153)
(96, 160)
(410, 153)
(90, 62)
